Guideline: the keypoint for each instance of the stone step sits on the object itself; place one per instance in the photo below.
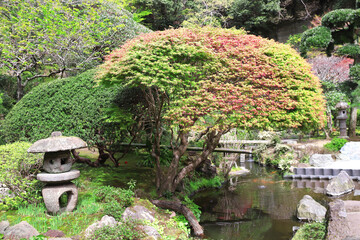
(322, 173)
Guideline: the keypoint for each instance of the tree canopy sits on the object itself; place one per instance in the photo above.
(210, 80)
(44, 38)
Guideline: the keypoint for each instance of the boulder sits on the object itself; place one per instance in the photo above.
(340, 184)
(321, 160)
(5, 192)
(351, 150)
(138, 213)
(105, 221)
(20, 231)
(344, 217)
(3, 226)
(310, 210)
(150, 232)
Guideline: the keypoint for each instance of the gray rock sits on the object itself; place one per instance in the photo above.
(57, 162)
(351, 150)
(3, 226)
(151, 232)
(19, 231)
(58, 177)
(105, 221)
(52, 194)
(310, 210)
(321, 160)
(340, 184)
(138, 213)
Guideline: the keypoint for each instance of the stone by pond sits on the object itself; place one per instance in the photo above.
(310, 210)
(340, 184)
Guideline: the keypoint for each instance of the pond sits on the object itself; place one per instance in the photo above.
(259, 206)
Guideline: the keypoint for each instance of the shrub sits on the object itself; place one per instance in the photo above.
(116, 199)
(311, 231)
(17, 172)
(336, 144)
(126, 230)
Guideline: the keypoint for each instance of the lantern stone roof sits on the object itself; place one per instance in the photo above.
(342, 105)
(56, 143)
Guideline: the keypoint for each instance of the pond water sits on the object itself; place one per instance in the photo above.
(259, 206)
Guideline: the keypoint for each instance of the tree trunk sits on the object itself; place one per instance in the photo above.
(20, 88)
(353, 119)
(82, 159)
(180, 208)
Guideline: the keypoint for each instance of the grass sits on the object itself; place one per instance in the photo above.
(88, 210)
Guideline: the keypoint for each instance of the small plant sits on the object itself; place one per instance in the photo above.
(127, 230)
(336, 144)
(17, 172)
(116, 199)
(311, 231)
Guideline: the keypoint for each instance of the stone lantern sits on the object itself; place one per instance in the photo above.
(58, 176)
(342, 116)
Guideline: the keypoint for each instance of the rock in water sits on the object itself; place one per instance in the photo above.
(310, 210)
(340, 184)
(20, 231)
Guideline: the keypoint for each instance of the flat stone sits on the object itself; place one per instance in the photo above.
(321, 160)
(52, 194)
(340, 185)
(58, 177)
(3, 226)
(150, 232)
(56, 143)
(105, 221)
(138, 212)
(54, 233)
(20, 231)
(310, 210)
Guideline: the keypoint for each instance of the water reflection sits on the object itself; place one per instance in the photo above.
(259, 206)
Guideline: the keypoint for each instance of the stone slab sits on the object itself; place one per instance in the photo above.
(52, 194)
(55, 178)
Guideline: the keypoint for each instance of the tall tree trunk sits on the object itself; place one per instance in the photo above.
(353, 119)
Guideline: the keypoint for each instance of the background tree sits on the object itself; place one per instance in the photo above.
(209, 81)
(338, 33)
(45, 38)
(71, 105)
(333, 72)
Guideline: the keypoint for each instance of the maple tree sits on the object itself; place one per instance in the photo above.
(208, 81)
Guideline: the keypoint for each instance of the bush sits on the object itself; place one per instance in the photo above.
(17, 172)
(336, 144)
(126, 230)
(116, 199)
(311, 231)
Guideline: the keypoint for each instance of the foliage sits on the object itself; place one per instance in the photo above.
(336, 144)
(201, 183)
(17, 172)
(71, 105)
(127, 230)
(208, 13)
(294, 40)
(350, 50)
(211, 80)
(318, 37)
(255, 16)
(116, 199)
(311, 231)
(63, 37)
(144, 62)
(338, 18)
